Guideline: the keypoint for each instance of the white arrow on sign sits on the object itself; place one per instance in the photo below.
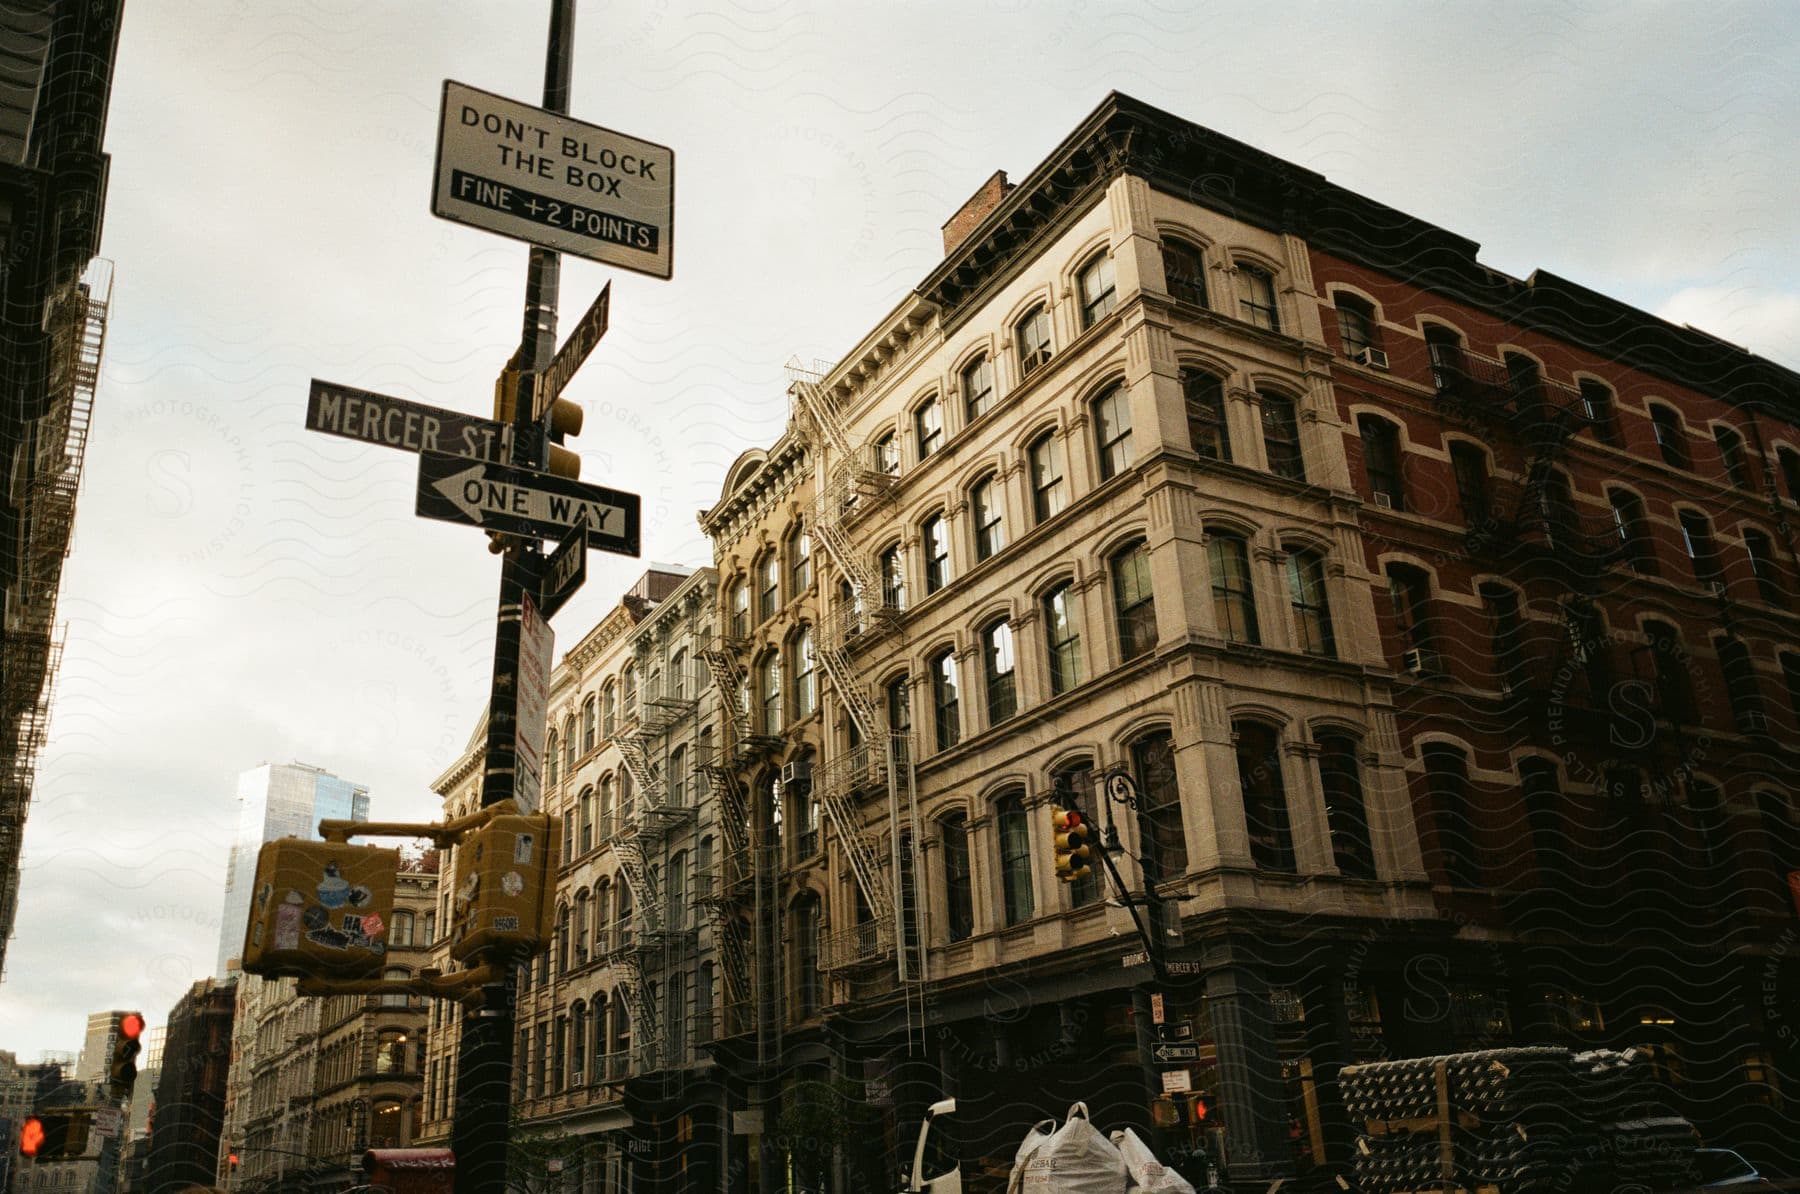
(477, 495)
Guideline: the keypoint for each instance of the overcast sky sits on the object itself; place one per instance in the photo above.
(242, 590)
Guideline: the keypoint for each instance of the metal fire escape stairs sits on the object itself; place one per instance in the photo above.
(856, 485)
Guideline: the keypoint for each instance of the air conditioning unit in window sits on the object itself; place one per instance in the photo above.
(1374, 358)
(1753, 721)
(1419, 662)
(796, 774)
(1717, 587)
(1385, 501)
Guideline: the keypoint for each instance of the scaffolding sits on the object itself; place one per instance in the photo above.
(45, 493)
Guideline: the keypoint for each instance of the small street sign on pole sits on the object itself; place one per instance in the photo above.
(518, 501)
(562, 184)
(537, 647)
(565, 571)
(372, 418)
(586, 334)
(1174, 1054)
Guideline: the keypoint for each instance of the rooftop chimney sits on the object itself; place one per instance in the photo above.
(986, 198)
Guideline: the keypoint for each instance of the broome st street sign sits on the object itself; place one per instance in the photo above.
(555, 182)
(518, 501)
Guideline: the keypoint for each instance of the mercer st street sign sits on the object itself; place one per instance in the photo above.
(396, 423)
(517, 501)
(560, 184)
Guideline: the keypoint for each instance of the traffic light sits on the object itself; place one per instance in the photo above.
(1074, 850)
(560, 421)
(319, 909)
(54, 1135)
(505, 900)
(121, 1070)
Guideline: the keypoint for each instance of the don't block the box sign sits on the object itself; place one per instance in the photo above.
(320, 909)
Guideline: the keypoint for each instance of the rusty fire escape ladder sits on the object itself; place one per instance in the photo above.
(729, 677)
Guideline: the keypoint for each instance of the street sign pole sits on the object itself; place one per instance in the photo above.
(479, 1134)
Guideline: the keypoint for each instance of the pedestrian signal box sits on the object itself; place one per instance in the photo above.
(320, 909)
(505, 887)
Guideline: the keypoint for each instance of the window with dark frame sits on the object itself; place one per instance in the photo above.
(1788, 461)
(1015, 858)
(887, 455)
(1000, 669)
(1469, 465)
(1063, 639)
(1281, 437)
(1543, 799)
(959, 892)
(1112, 430)
(1731, 454)
(1346, 813)
(1159, 799)
(1264, 795)
(1099, 293)
(1048, 496)
(740, 614)
(1506, 632)
(1134, 600)
(1598, 408)
(1356, 324)
(1790, 678)
(978, 387)
(768, 583)
(1671, 437)
(990, 528)
(1234, 600)
(1696, 537)
(935, 537)
(799, 561)
(1312, 611)
(809, 984)
(1455, 851)
(1032, 334)
(1633, 530)
(893, 579)
(806, 678)
(1410, 590)
(1381, 460)
(1203, 396)
(1761, 550)
(769, 691)
(1449, 364)
(589, 724)
(1741, 688)
(1256, 297)
(928, 427)
(945, 703)
(1184, 269)
(1669, 677)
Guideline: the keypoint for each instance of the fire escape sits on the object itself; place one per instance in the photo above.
(858, 482)
(31, 649)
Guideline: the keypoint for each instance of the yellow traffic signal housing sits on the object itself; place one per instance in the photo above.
(562, 420)
(320, 909)
(505, 895)
(1073, 840)
(121, 1069)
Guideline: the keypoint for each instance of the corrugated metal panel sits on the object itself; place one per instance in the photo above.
(24, 42)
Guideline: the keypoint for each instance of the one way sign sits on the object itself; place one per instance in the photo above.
(517, 501)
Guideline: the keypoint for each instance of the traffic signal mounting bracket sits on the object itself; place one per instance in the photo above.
(464, 984)
(442, 834)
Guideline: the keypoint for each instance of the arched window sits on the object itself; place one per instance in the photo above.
(1345, 813)
(609, 709)
(1741, 687)
(628, 691)
(1449, 364)
(740, 611)
(1409, 589)
(887, 455)
(1671, 436)
(1256, 297)
(676, 1017)
(806, 685)
(400, 933)
(1633, 530)
(1454, 852)
(1506, 631)
(608, 809)
(1696, 536)
(677, 887)
(1099, 292)
(1469, 466)
(808, 982)
(1203, 396)
(978, 387)
(703, 1004)
(552, 760)
(799, 561)
(928, 427)
(1381, 461)
(587, 820)
(1356, 325)
(997, 658)
(386, 1126)
(899, 707)
(802, 812)
(578, 1043)
(1017, 900)
(1234, 601)
(990, 528)
(945, 705)
(678, 675)
(1184, 269)
(568, 738)
(1077, 779)
(893, 579)
(959, 893)
(934, 536)
(1265, 796)
(768, 688)
(1032, 334)
(1134, 600)
(1281, 437)
(579, 936)
(1112, 430)
(1598, 408)
(603, 918)
(620, 1048)
(1731, 455)
(1062, 638)
(1048, 494)
(678, 777)
(1312, 612)
(589, 725)
(622, 914)
(562, 940)
(768, 586)
(1543, 817)
(1763, 566)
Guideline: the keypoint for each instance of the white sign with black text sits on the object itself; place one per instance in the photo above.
(537, 643)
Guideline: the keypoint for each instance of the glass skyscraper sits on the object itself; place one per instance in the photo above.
(276, 800)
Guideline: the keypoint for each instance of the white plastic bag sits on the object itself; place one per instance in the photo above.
(1078, 1159)
(1035, 1139)
(1147, 1173)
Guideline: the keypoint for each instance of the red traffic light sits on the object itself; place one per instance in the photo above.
(231, 1159)
(131, 1026)
(31, 1137)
